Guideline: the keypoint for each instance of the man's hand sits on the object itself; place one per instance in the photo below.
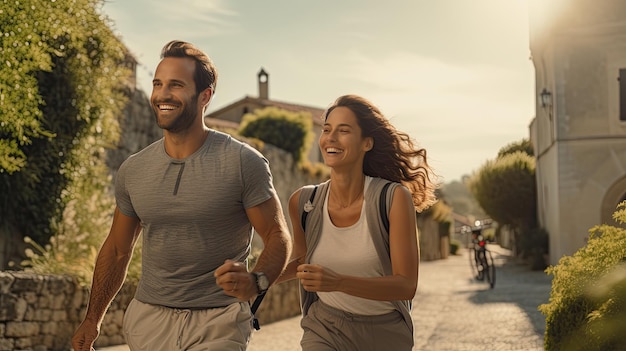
(85, 336)
(234, 278)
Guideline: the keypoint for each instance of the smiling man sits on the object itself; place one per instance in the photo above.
(196, 205)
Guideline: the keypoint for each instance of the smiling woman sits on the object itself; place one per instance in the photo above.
(378, 180)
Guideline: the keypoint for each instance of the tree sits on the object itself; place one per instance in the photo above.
(506, 189)
(290, 131)
(523, 145)
(62, 83)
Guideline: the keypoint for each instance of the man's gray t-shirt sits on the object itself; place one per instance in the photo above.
(193, 216)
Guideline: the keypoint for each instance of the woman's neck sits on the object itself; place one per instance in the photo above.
(346, 191)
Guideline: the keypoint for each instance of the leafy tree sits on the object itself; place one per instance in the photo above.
(506, 189)
(290, 131)
(62, 82)
(523, 145)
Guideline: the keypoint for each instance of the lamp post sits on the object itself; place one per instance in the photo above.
(546, 98)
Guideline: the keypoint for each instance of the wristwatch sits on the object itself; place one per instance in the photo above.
(262, 283)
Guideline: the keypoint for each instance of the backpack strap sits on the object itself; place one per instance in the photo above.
(307, 208)
(382, 203)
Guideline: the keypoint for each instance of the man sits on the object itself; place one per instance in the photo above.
(196, 194)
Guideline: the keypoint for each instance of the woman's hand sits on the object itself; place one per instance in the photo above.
(314, 278)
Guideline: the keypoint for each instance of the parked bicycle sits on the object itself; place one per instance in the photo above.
(481, 259)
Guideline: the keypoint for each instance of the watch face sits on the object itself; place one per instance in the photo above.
(262, 281)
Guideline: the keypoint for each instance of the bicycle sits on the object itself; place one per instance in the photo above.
(481, 259)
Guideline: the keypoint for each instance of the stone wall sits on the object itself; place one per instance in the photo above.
(138, 129)
(433, 246)
(41, 312)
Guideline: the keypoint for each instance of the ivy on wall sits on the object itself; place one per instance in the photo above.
(62, 80)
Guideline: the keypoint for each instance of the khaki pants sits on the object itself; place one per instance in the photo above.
(153, 328)
(329, 329)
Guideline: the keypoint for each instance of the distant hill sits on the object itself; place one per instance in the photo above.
(458, 197)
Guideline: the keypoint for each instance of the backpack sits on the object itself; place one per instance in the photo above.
(384, 217)
(382, 204)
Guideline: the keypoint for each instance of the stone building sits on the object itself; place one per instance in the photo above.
(578, 48)
(232, 114)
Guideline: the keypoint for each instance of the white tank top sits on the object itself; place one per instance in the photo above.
(349, 250)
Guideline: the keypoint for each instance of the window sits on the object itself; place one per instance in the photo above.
(622, 94)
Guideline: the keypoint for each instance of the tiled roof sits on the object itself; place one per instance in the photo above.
(316, 113)
(216, 122)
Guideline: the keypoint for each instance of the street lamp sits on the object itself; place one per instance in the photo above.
(546, 98)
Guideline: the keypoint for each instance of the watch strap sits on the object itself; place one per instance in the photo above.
(254, 308)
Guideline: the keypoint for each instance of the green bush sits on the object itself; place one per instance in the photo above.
(587, 300)
(455, 245)
(287, 130)
(506, 189)
(62, 82)
(534, 246)
(606, 325)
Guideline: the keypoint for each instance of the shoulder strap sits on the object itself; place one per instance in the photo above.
(306, 210)
(384, 211)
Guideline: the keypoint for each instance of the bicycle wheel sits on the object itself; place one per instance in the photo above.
(473, 262)
(480, 264)
(490, 269)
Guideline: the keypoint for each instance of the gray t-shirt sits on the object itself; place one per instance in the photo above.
(193, 216)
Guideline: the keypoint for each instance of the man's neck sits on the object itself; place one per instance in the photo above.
(183, 145)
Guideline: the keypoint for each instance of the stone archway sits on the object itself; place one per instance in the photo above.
(615, 194)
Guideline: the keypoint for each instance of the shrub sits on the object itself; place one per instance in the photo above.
(586, 298)
(535, 245)
(287, 130)
(606, 325)
(455, 245)
(74, 247)
(62, 82)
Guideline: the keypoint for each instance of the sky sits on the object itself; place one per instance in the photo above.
(455, 75)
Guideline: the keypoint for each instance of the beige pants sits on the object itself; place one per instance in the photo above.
(153, 328)
(329, 329)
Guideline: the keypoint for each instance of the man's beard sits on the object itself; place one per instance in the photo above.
(183, 121)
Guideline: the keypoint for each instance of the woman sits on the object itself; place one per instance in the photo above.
(358, 275)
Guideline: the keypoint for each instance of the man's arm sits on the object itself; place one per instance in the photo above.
(108, 277)
(298, 252)
(269, 222)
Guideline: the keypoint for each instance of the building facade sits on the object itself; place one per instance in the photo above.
(578, 49)
(230, 116)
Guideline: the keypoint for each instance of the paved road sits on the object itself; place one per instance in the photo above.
(453, 312)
